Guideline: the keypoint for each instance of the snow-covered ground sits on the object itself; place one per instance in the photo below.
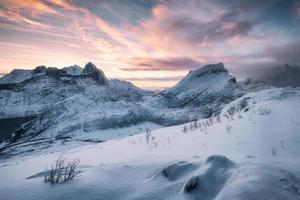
(252, 151)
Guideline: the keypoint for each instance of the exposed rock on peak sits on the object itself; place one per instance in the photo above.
(212, 68)
(49, 71)
(39, 69)
(89, 67)
(95, 73)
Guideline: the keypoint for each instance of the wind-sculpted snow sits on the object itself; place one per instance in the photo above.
(88, 102)
(217, 179)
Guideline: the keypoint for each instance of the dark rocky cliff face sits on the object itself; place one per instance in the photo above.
(91, 70)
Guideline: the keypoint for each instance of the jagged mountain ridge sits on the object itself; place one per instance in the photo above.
(210, 81)
(42, 87)
(90, 102)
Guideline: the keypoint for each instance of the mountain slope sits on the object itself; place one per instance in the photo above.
(72, 105)
(16, 76)
(203, 85)
(45, 87)
(257, 158)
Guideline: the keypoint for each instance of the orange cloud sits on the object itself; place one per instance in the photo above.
(32, 5)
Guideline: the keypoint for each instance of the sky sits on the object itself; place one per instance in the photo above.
(152, 43)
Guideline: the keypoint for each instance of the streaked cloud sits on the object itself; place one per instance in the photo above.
(161, 64)
(133, 38)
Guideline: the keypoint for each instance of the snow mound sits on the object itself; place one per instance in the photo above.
(211, 178)
(200, 180)
(220, 178)
(177, 170)
(204, 180)
(257, 181)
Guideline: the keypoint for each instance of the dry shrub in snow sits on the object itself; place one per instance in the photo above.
(218, 118)
(264, 111)
(147, 135)
(195, 124)
(184, 129)
(62, 171)
(228, 128)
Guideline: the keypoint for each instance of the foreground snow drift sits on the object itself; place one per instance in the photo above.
(217, 177)
(251, 151)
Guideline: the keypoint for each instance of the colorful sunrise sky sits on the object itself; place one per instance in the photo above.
(150, 42)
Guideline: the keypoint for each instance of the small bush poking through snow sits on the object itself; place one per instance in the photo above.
(265, 111)
(147, 135)
(218, 118)
(228, 128)
(184, 129)
(195, 124)
(62, 171)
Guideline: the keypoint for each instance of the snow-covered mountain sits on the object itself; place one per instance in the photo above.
(249, 151)
(230, 140)
(73, 70)
(16, 76)
(202, 86)
(282, 76)
(69, 106)
(27, 93)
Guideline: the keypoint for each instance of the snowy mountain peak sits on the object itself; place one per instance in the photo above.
(73, 70)
(209, 76)
(89, 67)
(16, 76)
(49, 71)
(39, 69)
(211, 68)
(202, 86)
(94, 72)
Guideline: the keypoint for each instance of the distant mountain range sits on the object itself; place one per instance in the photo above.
(282, 76)
(71, 101)
(66, 103)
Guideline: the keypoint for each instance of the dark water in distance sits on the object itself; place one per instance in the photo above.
(9, 125)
